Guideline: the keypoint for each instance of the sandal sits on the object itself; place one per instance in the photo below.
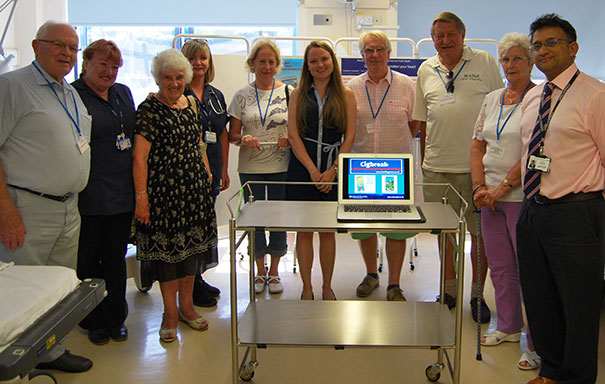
(199, 324)
(532, 359)
(323, 297)
(259, 283)
(167, 335)
(275, 285)
(498, 337)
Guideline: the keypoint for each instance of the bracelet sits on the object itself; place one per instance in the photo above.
(335, 166)
(143, 192)
(477, 188)
(245, 137)
(506, 182)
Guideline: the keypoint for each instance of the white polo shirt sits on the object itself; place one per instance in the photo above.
(450, 126)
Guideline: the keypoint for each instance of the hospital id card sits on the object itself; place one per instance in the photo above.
(448, 98)
(539, 163)
(210, 137)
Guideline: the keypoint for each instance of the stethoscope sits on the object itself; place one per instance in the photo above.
(220, 110)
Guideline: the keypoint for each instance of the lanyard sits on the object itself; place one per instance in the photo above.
(498, 129)
(77, 124)
(382, 101)
(455, 77)
(320, 129)
(545, 128)
(120, 117)
(263, 119)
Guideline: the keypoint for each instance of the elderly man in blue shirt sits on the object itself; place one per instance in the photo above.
(44, 163)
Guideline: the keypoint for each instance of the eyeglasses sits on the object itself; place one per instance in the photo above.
(449, 87)
(61, 45)
(379, 50)
(550, 43)
(515, 60)
(200, 41)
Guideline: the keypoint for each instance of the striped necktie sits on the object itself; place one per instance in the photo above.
(531, 182)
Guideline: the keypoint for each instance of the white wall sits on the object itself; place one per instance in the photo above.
(29, 15)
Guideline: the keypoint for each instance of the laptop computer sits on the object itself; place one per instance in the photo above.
(376, 187)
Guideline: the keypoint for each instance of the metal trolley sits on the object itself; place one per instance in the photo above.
(274, 323)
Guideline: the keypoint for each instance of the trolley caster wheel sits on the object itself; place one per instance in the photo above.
(294, 270)
(412, 267)
(248, 372)
(380, 269)
(432, 373)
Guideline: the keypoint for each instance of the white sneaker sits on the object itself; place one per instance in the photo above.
(275, 285)
(259, 283)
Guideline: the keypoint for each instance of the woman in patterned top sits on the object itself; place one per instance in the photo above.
(174, 207)
(259, 124)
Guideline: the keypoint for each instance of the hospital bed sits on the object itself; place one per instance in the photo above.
(40, 305)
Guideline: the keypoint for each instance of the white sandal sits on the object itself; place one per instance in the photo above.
(275, 285)
(259, 283)
(532, 358)
(498, 337)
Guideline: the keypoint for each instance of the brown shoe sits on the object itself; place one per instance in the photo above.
(542, 380)
(395, 294)
(366, 287)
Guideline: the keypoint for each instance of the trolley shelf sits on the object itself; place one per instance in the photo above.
(347, 324)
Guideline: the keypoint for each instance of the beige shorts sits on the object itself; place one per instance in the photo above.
(462, 182)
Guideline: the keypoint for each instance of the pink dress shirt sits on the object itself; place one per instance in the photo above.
(391, 132)
(575, 139)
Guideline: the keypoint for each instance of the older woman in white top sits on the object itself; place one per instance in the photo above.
(259, 125)
(496, 173)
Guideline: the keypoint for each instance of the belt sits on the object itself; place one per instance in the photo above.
(580, 196)
(45, 195)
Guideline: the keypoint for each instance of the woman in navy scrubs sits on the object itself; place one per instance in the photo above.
(214, 117)
(107, 203)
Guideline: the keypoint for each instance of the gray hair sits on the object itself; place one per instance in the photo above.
(515, 39)
(43, 30)
(377, 34)
(171, 60)
(448, 17)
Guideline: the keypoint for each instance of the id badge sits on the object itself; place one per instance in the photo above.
(210, 137)
(496, 151)
(448, 98)
(539, 163)
(371, 128)
(123, 142)
(83, 145)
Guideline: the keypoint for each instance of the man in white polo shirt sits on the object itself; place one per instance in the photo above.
(449, 92)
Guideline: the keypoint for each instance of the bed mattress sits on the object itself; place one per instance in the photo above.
(28, 292)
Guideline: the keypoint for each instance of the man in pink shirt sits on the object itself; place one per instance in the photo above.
(385, 100)
(561, 229)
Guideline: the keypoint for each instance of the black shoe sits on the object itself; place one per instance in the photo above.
(68, 363)
(98, 336)
(202, 298)
(213, 291)
(119, 333)
(449, 300)
(486, 315)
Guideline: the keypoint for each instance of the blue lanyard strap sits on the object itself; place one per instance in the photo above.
(498, 129)
(263, 119)
(381, 102)
(455, 77)
(77, 124)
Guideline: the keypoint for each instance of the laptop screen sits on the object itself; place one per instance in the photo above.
(377, 178)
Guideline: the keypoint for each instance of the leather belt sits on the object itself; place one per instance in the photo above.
(580, 196)
(60, 199)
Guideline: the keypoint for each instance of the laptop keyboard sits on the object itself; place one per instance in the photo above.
(370, 208)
